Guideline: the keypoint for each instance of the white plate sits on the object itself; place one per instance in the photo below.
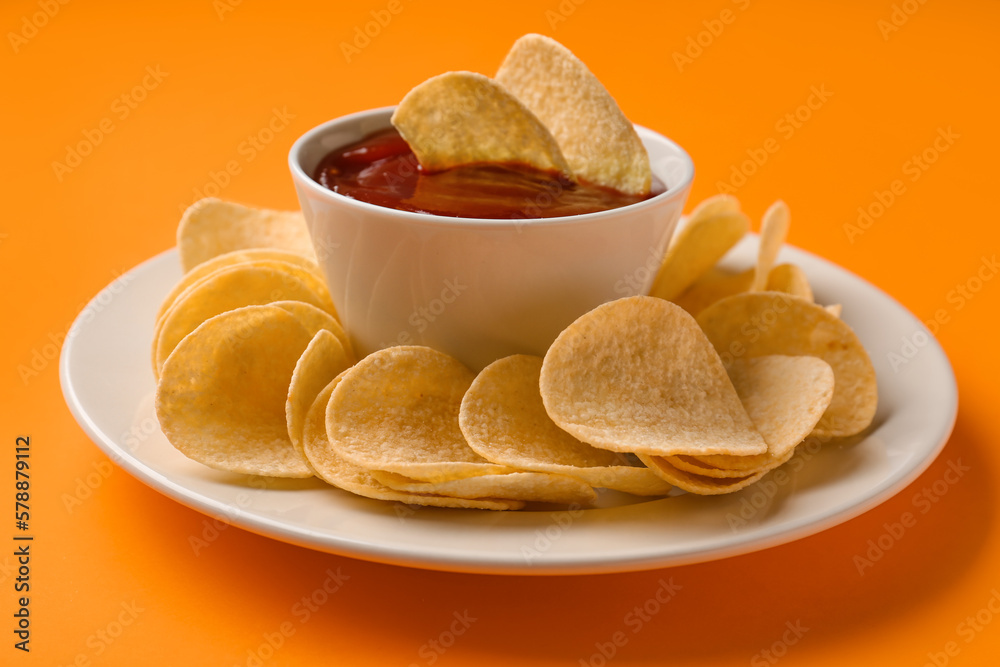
(108, 383)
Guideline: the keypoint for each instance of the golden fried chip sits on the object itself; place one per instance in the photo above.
(717, 283)
(785, 398)
(599, 142)
(462, 118)
(538, 487)
(504, 421)
(773, 232)
(397, 410)
(835, 309)
(221, 395)
(231, 259)
(713, 206)
(250, 283)
(638, 375)
(699, 245)
(698, 484)
(322, 361)
(339, 472)
(764, 323)
(314, 319)
(790, 279)
(211, 227)
(695, 465)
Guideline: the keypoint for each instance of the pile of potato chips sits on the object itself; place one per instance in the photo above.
(706, 385)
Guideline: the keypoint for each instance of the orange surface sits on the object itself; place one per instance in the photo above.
(122, 555)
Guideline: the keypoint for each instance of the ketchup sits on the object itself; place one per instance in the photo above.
(382, 170)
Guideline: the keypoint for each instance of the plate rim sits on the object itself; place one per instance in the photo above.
(567, 564)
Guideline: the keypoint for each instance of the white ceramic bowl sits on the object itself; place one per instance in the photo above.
(477, 289)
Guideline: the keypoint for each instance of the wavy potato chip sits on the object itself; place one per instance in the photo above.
(322, 360)
(335, 470)
(212, 227)
(315, 319)
(397, 411)
(695, 483)
(764, 323)
(250, 283)
(599, 142)
(773, 232)
(716, 283)
(504, 421)
(790, 279)
(461, 118)
(785, 398)
(698, 246)
(231, 259)
(638, 375)
(221, 395)
(537, 487)
(713, 206)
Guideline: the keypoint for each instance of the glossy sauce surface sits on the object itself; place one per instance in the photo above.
(382, 170)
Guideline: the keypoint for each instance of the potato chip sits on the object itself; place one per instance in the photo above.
(251, 283)
(764, 323)
(211, 227)
(221, 395)
(314, 319)
(339, 472)
(599, 142)
(716, 283)
(231, 259)
(323, 359)
(698, 484)
(773, 232)
(638, 375)
(397, 410)
(461, 118)
(713, 206)
(695, 465)
(836, 309)
(790, 279)
(699, 245)
(785, 398)
(538, 487)
(504, 421)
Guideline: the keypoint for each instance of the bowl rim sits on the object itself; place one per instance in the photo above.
(304, 179)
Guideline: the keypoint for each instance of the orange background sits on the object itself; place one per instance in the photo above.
(63, 240)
